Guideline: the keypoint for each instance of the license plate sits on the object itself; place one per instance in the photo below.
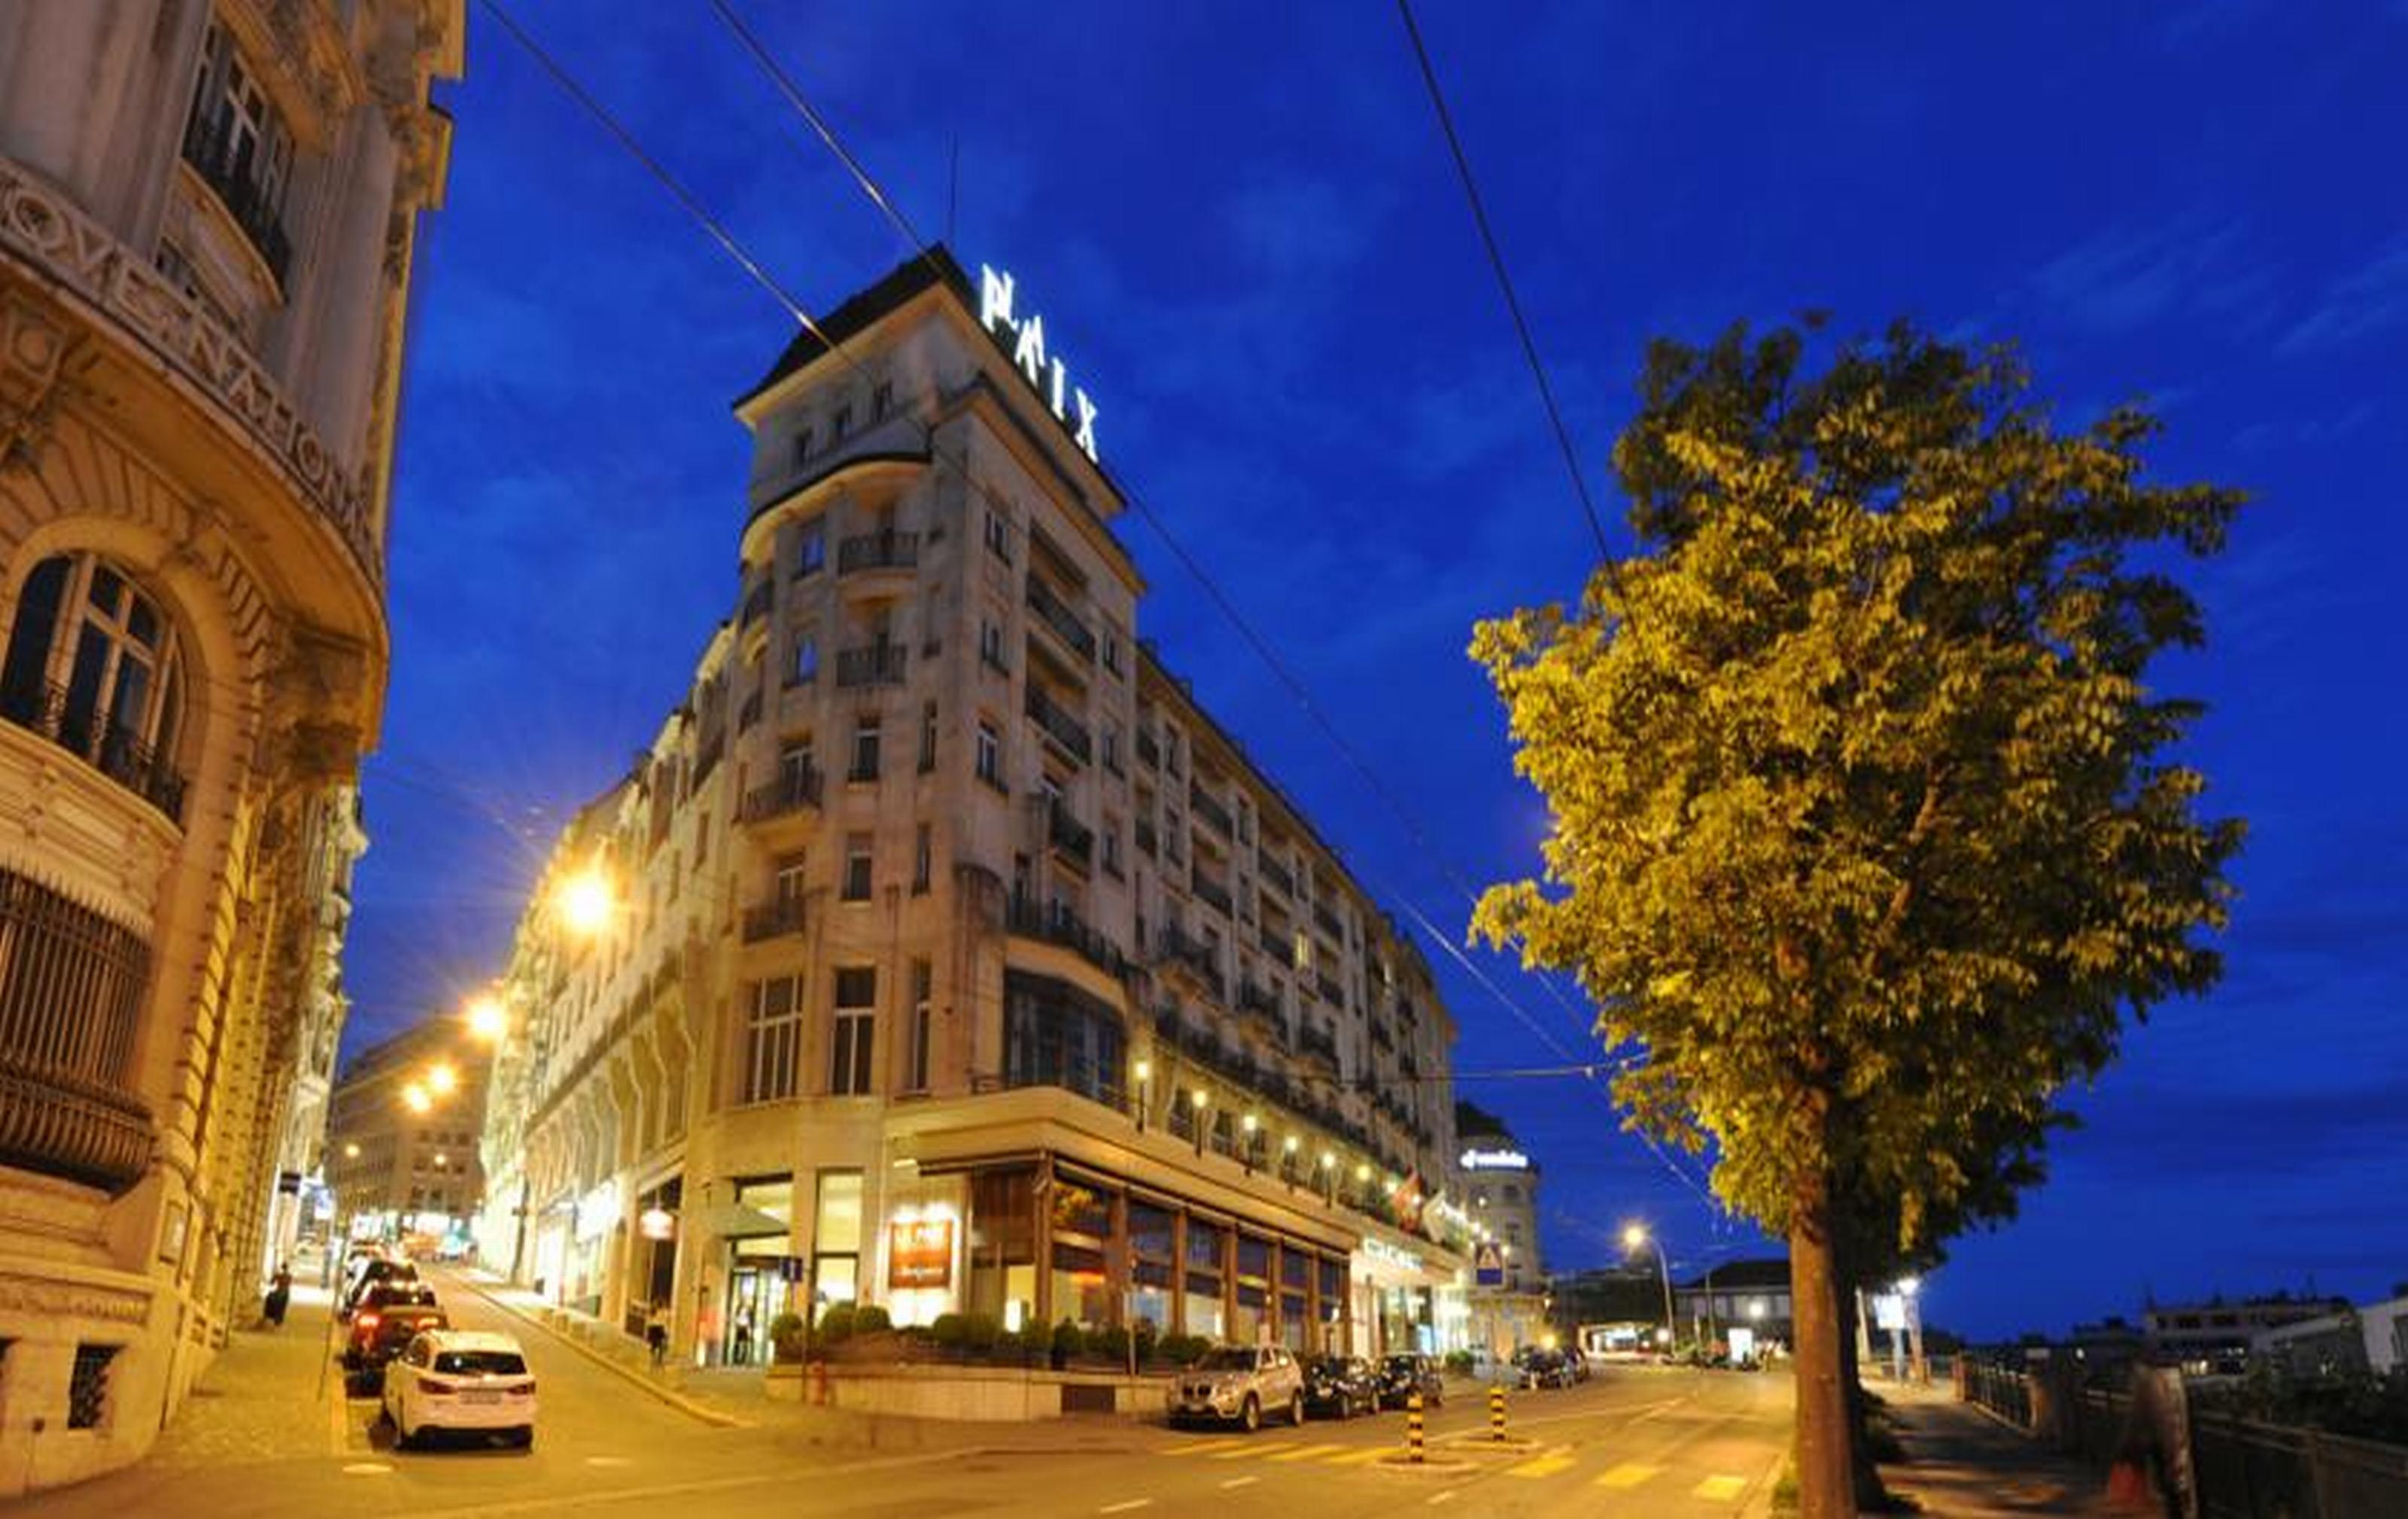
(481, 1397)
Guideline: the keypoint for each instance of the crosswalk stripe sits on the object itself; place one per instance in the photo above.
(1248, 1448)
(1307, 1453)
(1545, 1466)
(1363, 1457)
(1629, 1474)
(1201, 1447)
(1720, 1489)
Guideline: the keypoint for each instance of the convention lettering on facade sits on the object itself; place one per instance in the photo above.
(1045, 372)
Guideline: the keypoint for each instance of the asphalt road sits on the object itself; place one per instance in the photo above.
(1646, 1441)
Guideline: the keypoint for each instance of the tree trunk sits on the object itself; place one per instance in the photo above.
(1825, 1489)
(1871, 1494)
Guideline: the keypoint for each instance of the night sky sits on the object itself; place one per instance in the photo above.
(1246, 235)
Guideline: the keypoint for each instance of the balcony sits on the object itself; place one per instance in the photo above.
(1145, 837)
(1319, 1046)
(1201, 802)
(1331, 992)
(1275, 945)
(1067, 731)
(779, 918)
(1275, 874)
(1059, 619)
(1148, 748)
(114, 752)
(750, 713)
(1176, 950)
(1325, 921)
(69, 1008)
(1068, 837)
(1205, 887)
(795, 791)
(1056, 923)
(222, 161)
(1381, 1036)
(756, 601)
(872, 664)
(1260, 1006)
(887, 550)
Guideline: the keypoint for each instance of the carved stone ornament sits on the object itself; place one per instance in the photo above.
(36, 1298)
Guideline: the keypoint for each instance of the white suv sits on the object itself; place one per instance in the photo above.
(1240, 1383)
(458, 1379)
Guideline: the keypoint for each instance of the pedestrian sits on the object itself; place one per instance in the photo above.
(706, 1327)
(656, 1332)
(744, 1351)
(279, 1296)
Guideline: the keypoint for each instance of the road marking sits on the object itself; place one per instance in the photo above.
(1202, 1447)
(1438, 1499)
(1239, 1481)
(1248, 1450)
(1309, 1453)
(1720, 1489)
(365, 1468)
(1548, 1465)
(1126, 1506)
(1629, 1474)
(610, 1460)
(1363, 1457)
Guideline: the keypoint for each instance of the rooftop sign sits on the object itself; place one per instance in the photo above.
(1025, 336)
(1494, 1160)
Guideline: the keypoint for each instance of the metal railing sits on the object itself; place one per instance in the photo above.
(1173, 946)
(796, 789)
(1061, 728)
(1056, 923)
(1148, 749)
(1066, 624)
(1204, 886)
(1068, 836)
(887, 550)
(777, 919)
(113, 751)
(209, 147)
(1203, 803)
(69, 1008)
(1275, 874)
(872, 664)
(1328, 922)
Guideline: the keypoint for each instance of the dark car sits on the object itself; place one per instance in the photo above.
(1400, 1376)
(1537, 1367)
(1343, 1384)
(372, 1274)
(1576, 1361)
(388, 1316)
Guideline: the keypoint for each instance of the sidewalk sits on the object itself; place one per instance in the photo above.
(268, 1396)
(1965, 1464)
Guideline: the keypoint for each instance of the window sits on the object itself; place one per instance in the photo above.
(836, 1239)
(786, 885)
(811, 546)
(927, 738)
(922, 990)
(922, 860)
(839, 425)
(857, 867)
(1111, 747)
(865, 750)
(805, 666)
(1056, 1035)
(803, 441)
(88, 1386)
(240, 145)
(882, 401)
(1112, 845)
(990, 757)
(795, 767)
(1111, 651)
(998, 535)
(94, 666)
(991, 645)
(856, 1014)
(773, 1038)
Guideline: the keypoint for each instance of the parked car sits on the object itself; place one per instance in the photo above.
(458, 1378)
(1401, 1375)
(1536, 1367)
(1577, 1360)
(1342, 1384)
(372, 1274)
(390, 1314)
(1239, 1384)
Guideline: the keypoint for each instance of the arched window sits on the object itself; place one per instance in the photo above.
(94, 666)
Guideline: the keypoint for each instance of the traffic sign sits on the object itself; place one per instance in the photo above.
(1487, 1264)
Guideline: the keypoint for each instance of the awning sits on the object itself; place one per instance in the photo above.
(736, 1220)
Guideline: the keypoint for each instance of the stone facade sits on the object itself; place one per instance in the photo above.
(207, 216)
(961, 962)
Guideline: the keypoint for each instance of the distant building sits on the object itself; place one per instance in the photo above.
(1754, 1294)
(1501, 1187)
(1611, 1308)
(2217, 1333)
(2372, 1337)
(402, 1165)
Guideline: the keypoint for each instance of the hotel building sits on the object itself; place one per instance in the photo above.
(208, 214)
(402, 1134)
(961, 961)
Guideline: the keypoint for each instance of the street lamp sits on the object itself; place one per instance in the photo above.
(487, 1019)
(441, 1080)
(586, 901)
(1143, 1070)
(415, 1098)
(1633, 1238)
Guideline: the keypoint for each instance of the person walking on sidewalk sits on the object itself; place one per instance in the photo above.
(656, 1332)
(279, 1296)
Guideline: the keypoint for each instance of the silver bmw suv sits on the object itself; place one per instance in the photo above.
(1239, 1384)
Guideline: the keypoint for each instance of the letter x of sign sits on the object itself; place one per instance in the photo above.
(1048, 376)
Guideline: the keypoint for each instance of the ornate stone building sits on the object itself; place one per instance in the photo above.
(962, 961)
(207, 219)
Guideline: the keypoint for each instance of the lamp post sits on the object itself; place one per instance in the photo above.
(1634, 1237)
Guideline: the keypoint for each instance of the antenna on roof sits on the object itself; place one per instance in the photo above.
(952, 188)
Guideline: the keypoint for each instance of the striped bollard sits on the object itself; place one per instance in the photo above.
(1496, 1410)
(1413, 1426)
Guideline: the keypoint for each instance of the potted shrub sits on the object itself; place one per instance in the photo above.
(1069, 1341)
(951, 1335)
(782, 1381)
(979, 1333)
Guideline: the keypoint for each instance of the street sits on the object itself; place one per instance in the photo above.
(1633, 1440)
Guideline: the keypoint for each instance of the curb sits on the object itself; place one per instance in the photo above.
(1757, 1502)
(677, 1400)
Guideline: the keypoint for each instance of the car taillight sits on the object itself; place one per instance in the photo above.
(440, 1389)
(369, 1321)
(525, 1389)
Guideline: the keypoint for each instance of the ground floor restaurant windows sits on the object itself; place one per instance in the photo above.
(836, 1240)
(1115, 1254)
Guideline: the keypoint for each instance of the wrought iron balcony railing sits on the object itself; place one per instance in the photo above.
(872, 664)
(44, 710)
(888, 550)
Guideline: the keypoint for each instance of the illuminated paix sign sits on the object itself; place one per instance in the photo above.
(1026, 336)
(1494, 1160)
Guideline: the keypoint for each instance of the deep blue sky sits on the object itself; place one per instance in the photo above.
(1244, 232)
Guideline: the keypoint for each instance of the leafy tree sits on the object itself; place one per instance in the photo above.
(1865, 832)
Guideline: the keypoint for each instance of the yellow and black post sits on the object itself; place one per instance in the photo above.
(1496, 1410)
(1413, 1426)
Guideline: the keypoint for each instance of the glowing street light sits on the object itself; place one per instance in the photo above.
(442, 1079)
(487, 1017)
(416, 1099)
(585, 901)
(1635, 1238)
(351, 1153)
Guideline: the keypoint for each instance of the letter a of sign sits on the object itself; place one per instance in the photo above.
(1029, 353)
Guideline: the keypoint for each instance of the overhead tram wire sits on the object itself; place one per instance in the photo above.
(792, 92)
(1513, 301)
(760, 275)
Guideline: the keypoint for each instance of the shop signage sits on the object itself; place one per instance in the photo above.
(596, 1212)
(1387, 1254)
(1487, 1265)
(656, 1223)
(1025, 336)
(920, 1254)
(1494, 1160)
